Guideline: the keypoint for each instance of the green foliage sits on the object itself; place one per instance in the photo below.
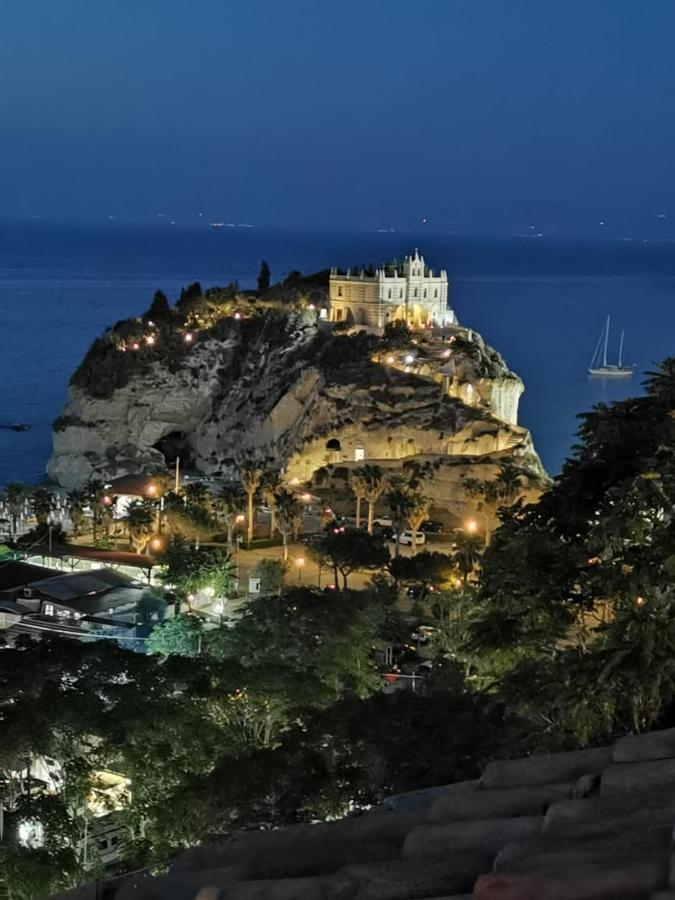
(189, 569)
(271, 574)
(180, 636)
(397, 336)
(347, 549)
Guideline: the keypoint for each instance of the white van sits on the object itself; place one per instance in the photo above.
(405, 539)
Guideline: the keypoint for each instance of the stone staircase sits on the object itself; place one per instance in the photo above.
(588, 825)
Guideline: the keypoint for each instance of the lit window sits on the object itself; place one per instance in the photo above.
(49, 609)
(359, 454)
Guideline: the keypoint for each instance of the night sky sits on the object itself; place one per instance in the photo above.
(474, 114)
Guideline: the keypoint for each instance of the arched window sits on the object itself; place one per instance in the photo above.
(333, 444)
(339, 291)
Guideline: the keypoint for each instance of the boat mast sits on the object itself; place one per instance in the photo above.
(621, 348)
(604, 355)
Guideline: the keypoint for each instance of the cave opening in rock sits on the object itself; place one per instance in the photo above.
(333, 444)
(174, 445)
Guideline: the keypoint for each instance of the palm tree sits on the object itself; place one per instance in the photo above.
(270, 484)
(418, 512)
(42, 503)
(229, 504)
(467, 553)
(76, 502)
(509, 483)
(661, 384)
(15, 495)
(140, 519)
(399, 500)
(486, 494)
(251, 472)
(374, 482)
(290, 513)
(359, 485)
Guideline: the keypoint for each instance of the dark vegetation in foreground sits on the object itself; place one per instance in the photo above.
(564, 638)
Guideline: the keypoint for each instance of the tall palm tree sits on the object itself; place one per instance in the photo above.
(76, 502)
(375, 483)
(418, 512)
(290, 514)
(139, 520)
(399, 500)
(467, 553)
(251, 471)
(229, 504)
(15, 495)
(42, 503)
(359, 485)
(661, 384)
(270, 484)
(509, 483)
(486, 495)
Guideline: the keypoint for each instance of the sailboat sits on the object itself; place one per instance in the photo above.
(600, 366)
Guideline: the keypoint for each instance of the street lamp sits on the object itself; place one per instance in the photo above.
(471, 526)
(300, 562)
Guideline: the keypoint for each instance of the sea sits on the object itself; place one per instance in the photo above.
(541, 302)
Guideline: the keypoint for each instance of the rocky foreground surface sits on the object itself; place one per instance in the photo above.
(592, 824)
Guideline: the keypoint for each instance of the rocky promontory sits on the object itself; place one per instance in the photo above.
(224, 376)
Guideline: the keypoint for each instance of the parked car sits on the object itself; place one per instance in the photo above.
(431, 526)
(382, 522)
(418, 590)
(405, 539)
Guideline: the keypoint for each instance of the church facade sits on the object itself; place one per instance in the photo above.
(409, 291)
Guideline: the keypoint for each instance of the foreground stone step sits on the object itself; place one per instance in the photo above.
(305, 849)
(417, 879)
(626, 778)
(546, 768)
(486, 835)
(568, 858)
(182, 887)
(639, 747)
(605, 816)
(630, 881)
(624, 844)
(493, 804)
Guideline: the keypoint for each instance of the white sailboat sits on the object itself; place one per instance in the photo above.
(599, 365)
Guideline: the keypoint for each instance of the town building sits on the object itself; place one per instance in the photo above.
(408, 291)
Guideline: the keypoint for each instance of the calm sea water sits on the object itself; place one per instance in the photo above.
(541, 303)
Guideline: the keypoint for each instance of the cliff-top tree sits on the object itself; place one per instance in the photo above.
(264, 277)
(159, 310)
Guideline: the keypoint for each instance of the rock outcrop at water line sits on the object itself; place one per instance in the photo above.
(276, 383)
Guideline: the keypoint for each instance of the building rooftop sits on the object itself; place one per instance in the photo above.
(592, 824)
(64, 588)
(17, 574)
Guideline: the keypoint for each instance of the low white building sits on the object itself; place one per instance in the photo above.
(410, 292)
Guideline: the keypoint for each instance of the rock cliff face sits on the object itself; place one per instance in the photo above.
(272, 383)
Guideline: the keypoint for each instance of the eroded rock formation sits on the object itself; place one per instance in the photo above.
(272, 382)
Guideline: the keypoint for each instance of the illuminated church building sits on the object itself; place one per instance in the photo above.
(409, 291)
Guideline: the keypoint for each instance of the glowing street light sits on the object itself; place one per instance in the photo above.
(187, 337)
(300, 562)
(240, 519)
(237, 315)
(156, 544)
(391, 360)
(471, 526)
(640, 601)
(409, 359)
(151, 490)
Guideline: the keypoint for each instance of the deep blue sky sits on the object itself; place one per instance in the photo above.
(476, 114)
